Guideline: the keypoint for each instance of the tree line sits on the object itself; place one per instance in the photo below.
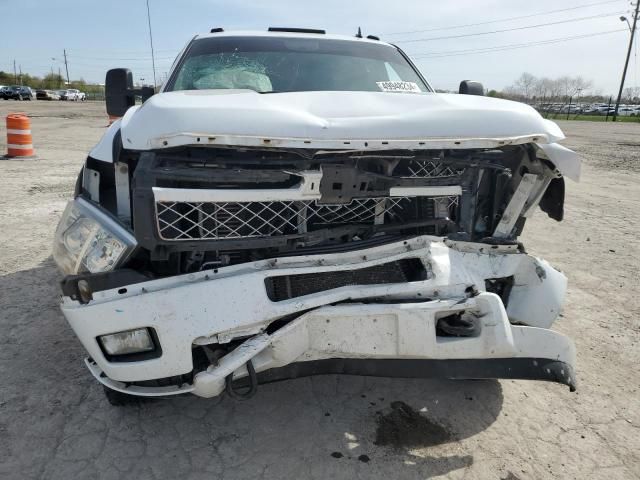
(531, 89)
(51, 81)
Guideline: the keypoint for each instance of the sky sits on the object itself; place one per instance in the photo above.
(449, 40)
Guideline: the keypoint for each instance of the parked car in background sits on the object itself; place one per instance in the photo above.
(47, 95)
(627, 111)
(17, 92)
(624, 110)
(74, 95)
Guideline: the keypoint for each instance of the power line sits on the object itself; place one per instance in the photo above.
(118, 59)
(579, 19)
(116, 51)
(136, 57)
(549, 12)
(513, 46)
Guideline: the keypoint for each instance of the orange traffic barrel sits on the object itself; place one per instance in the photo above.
(19, 141)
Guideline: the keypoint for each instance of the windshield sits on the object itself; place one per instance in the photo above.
(275, 64)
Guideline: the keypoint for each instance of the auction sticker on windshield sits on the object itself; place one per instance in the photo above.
(407, 87)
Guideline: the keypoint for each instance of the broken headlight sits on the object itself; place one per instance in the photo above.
(90, 240)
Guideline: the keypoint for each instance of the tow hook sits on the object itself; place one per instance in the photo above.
(250, 391)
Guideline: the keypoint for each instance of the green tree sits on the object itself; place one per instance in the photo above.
(52, 81)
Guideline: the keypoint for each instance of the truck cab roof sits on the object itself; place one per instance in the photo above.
(293, 33)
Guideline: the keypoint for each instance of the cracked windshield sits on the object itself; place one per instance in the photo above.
(272, 65)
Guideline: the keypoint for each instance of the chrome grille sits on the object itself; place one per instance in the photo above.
(229, 220)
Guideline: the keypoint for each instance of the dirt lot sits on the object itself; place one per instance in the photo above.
(56, 424)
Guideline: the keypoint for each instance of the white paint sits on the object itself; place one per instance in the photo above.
(435, 191)
(566, 161)
(345, 120)
(537, 295)
(20, 147)
(233, 302)
(333, 120)
(315, 36)
(379, 332)
(515, 206)
(91, 183)
(104, 149)
(308, 189)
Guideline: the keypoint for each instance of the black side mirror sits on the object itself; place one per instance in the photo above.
(469, 87)
(119, 91)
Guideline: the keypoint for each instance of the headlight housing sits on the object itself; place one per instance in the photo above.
(90, 240)
(128, 342)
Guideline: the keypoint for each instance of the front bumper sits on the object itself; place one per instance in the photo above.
(381, 329)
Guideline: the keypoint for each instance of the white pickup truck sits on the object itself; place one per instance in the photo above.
(295, 203)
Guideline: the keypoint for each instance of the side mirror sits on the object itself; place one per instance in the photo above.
(469, 87)
(118, 91)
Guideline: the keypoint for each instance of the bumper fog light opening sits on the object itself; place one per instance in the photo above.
(130, 345)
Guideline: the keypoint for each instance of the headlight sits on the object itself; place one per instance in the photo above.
(128, 342)
(90, 240)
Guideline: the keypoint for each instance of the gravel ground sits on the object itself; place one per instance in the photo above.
(56, 424)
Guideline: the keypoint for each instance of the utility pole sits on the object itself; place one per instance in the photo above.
(153, 60)
(20, 68)
(66, 65)
(626, 63)
(15, 72)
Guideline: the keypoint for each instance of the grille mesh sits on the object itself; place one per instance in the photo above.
(431, 169)
(209, 220)
(292, 286)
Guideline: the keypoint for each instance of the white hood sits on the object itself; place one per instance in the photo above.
(329, 120)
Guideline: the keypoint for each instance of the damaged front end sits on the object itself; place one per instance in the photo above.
(217, 268)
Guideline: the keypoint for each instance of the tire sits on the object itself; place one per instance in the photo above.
(119, 399)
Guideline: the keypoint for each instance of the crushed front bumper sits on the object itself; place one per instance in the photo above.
(387, 329)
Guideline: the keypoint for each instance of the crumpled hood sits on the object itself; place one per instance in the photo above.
(327, 120)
